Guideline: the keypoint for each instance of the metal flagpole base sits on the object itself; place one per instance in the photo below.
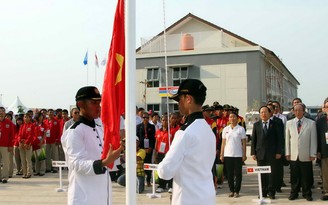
(153, 194)
(262, 201)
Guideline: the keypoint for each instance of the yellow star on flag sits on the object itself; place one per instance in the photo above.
(120, 60)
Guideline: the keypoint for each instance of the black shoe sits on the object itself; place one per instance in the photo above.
(54, 171)
(19, 174)
(4, 181)
(324, 198)
(36, 174)
(278, 190)
(41, 175)
(272, 196)
(292, 197)
(47, 171)
(309, 198)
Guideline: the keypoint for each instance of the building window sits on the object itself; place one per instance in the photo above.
(175, 107)
(179, 75)
(153, 77)
(153, 107)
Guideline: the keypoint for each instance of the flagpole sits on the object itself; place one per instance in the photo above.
(95, 75)
(87, 66)
(88, 74)
(130, 105)
(166, 74)
(96, 66)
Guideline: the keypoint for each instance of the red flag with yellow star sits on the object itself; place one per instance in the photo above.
(113, 92)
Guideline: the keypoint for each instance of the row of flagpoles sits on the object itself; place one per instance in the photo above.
(86, 63)
(86, 59)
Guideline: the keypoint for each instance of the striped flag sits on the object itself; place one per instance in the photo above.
(96, 60)
(104, 61)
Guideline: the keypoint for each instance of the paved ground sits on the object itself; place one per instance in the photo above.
(42, 190)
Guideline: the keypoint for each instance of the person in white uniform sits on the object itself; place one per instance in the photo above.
(190, 158)
(89, 181)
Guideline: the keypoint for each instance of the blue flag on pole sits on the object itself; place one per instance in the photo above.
(85, 61)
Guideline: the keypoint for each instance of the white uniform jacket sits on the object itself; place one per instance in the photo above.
(304, 144)
(189, 162)
(89, 182)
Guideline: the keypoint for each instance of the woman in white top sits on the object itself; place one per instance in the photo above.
(233, 153)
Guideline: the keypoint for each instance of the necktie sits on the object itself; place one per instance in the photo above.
(299, 126)
(265, 128)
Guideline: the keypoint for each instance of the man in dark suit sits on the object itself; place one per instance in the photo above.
(266, 149)
(322, 132)
(146, 135)
(279, 162)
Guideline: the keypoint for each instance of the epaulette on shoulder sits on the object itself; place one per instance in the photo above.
(75, 124)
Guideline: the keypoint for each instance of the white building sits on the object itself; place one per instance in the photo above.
(235, 70)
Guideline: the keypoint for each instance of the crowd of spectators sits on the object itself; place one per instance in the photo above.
(30, 141)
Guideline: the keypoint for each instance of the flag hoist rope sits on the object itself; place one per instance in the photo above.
(166, 76)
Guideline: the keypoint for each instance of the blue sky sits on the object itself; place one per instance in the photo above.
(43, 43)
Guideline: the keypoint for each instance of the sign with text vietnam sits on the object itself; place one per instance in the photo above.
(59, 164)
(150, 166)
(258, 169)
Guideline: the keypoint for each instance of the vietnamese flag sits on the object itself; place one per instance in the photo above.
(113, 92)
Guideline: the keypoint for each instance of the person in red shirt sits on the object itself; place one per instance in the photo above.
(62, 121)
(162, 145)
(52, 140)
(208, 118)
(26, 137)
(9, 116)
(38, 144)
(174, 125)
(58, 114)
(221, 122)
(7, 134)
(19, 123)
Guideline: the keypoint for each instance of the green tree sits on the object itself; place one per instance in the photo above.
(20, 109)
